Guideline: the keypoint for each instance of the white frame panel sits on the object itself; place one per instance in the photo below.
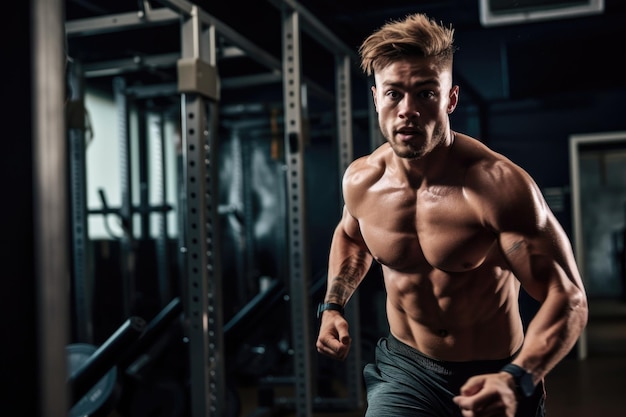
(579, 248)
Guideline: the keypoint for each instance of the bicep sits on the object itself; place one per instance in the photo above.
(538, 249)
(541, 257)
(348, 231)
(532, 240)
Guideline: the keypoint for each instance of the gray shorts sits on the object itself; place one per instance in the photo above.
(405, 382)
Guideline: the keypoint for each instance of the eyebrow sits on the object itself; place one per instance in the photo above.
(430, 81)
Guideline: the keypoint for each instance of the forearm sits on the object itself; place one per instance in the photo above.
(345, 274)
(553, 331)
(348, 262)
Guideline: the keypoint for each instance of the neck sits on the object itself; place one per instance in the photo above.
(430, 165)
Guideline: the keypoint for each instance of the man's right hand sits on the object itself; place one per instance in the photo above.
(334, 338)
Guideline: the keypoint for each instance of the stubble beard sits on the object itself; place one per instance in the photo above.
(404, 151)
(408, 151)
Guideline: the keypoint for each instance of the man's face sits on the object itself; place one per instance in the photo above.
(413, 98)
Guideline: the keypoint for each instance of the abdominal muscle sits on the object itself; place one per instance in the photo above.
(461, 316)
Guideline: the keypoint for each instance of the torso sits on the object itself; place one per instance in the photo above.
(448, 287)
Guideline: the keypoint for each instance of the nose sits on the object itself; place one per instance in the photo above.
(408, 108)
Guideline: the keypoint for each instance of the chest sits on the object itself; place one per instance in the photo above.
(437, 228)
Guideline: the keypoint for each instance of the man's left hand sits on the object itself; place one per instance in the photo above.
(488, 395)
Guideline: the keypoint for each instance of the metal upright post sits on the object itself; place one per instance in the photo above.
(343, 84)
(158, 173)
(50, 217)
(77, 135)
(127, 249)
(296, 199)
(237, 186)
(143, 171)
(376, 137)
(198, 83)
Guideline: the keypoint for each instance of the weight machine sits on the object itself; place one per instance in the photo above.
(203, 40)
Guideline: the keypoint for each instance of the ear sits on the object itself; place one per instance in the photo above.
(374, 96)
(453, 98)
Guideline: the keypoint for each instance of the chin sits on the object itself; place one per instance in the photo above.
(410, 155)
(406, 152)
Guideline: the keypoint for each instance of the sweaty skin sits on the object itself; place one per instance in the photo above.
(456, 228)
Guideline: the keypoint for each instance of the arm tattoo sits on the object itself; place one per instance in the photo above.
(349, 277)
(514, 247)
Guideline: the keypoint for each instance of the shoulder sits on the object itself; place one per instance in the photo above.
(501, 190)
(363, 173)
(368, 169)
(485, 167)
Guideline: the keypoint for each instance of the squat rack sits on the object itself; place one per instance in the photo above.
(199, 87)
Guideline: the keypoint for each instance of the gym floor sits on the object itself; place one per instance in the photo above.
(592, 387)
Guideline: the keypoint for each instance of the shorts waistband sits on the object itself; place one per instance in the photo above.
(418, 357)
(439, 366)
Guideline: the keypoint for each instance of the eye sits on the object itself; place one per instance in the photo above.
(393, 94)
(428, 94)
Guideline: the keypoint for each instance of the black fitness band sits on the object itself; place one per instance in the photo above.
(328, 306)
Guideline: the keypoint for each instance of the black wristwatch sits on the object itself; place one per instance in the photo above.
(523, 380)
(328, 306)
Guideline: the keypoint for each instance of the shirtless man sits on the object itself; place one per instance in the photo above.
(457, 228)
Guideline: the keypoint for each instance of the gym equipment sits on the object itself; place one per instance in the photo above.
(154, 382)
(101, 393)
(239, 326)
(152, 332)
(99, 364)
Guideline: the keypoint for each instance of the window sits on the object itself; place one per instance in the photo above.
(502, 12)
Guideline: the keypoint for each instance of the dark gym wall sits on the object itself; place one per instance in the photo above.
(19, 302)
(538, 138)
(538, 93)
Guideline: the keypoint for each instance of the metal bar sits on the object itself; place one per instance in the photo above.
(104, 358)
(181, 6)
(143, 167)
(172, 14)
(343, 88)
(196, 274)
(343, 102)
(240, 325)
(316, 29)
(82, 276)
(132, 20)
(136, 63)
(118, 22)
(227, 33)
(122, 66)
(158, 174)
(251, 50)
(203, 269)
(299, 270)
(376, 136)
(127, 261)
(153, 330)
(50, 212)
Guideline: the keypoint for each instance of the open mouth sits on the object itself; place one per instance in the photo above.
(406, 134)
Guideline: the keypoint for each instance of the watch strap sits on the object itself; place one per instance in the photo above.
(523, 379)
(328, 306)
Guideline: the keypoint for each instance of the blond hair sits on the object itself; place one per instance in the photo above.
(415, 35)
